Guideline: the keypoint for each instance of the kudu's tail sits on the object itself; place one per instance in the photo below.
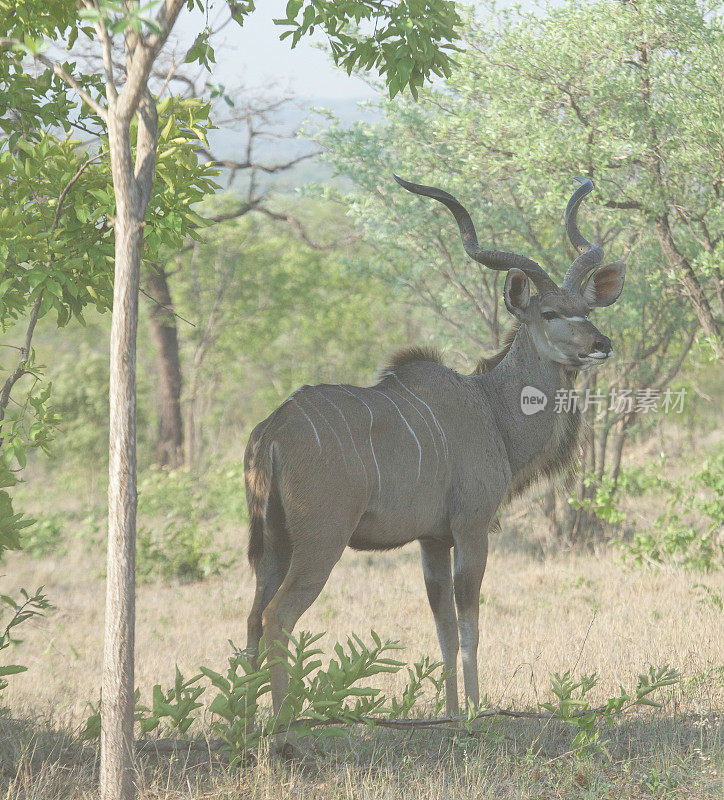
(258, 477)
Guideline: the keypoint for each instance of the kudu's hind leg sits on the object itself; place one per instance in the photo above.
(270, 572)
(308, 572)
(471, 553)
(439, 585)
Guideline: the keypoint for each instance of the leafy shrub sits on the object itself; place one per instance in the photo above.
(170, 710)
(603, 503)
(21, 611)
(689, 532)
(22, 432)
(175, 538)
(325, 701)
(224, 492)
(176, 550)
(573, 707)
(44, 536)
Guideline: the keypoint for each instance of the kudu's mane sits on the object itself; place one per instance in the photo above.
(411, 355)
(416, 353)
(487, 363)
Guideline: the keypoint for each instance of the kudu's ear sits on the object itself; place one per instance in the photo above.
(517, 292)
(604, 285)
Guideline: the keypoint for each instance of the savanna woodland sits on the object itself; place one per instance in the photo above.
(178, 255)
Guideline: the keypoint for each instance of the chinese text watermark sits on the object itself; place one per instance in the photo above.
(617, 401)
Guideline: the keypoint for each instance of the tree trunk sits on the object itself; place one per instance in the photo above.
(169, 445)
(690, 282)
(132, 186)
(618, 445)
(117, 728)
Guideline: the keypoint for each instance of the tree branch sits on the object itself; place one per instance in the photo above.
(140, 60)
(20, 370)
(7, 42)
(249, 164)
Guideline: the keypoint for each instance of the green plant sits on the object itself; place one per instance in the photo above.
(173, 706)
(315, 696)
(29, 425)
(28, 607)
(603, 502)
(175, 537)
(688, 533)
(326, 701)
(420, 672)
(573, 707)
(709, 596)
(44, 535)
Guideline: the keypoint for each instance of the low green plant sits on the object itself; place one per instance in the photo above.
(27, 607)
(45, 535)
(689, 532)
(170, 710)
(315, 696)
(709, 596)
(175, 539)
(173, 707)
(327, 701)
(573, 707)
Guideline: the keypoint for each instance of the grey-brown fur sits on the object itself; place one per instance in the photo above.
(411, 354)
(426, 454)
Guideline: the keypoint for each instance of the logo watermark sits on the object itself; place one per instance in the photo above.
(532, 400)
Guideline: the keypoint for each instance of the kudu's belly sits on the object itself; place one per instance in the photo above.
(406, 521)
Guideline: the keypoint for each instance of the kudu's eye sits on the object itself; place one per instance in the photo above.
(550, 315)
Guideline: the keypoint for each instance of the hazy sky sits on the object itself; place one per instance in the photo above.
(253, 56)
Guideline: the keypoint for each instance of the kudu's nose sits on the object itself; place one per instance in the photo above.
(602, 344)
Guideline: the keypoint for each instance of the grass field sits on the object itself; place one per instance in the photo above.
(580, 612)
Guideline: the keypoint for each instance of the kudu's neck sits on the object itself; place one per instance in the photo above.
(515, 388)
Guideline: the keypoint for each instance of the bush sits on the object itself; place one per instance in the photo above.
(327, 701)
(689, 532)
(44, 536)
(175, 539)
(21, 611)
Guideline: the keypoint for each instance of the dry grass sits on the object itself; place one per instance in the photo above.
(537, 616)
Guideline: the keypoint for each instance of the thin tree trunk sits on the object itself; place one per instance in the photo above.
(618, 444)
(117, 729)
(690, 282)
(132, 186)
(170, 442)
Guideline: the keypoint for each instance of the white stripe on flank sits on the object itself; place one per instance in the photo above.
(329, 425)
(422, 417)
(316, 435)
(349, 431)
(419, 449)
(372, 447)
(434, 418)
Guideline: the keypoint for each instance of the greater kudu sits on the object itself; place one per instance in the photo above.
(425, 454)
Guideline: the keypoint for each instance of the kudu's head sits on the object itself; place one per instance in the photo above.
(557, 316)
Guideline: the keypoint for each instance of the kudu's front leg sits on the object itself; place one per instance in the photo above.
(439, 585)
(471, 553)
